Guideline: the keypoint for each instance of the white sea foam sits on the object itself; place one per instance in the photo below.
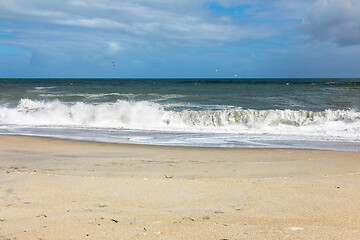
(87, 95)
(144, 115)
(41, 88)
(102, 95)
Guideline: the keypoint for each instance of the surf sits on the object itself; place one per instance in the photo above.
(147, 115)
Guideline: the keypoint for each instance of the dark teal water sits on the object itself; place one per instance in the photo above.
(296, 94)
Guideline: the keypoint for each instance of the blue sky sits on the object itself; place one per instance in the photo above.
(164, 38)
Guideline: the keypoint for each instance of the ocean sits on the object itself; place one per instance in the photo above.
(240, 113)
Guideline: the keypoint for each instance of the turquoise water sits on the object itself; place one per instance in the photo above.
(301, 113)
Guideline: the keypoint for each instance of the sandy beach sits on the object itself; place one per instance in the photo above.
(62, 189)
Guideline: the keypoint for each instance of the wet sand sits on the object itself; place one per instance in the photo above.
(62, 189)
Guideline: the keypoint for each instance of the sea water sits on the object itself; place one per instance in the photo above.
(256, 113)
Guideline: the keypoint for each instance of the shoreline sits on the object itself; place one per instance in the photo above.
(180, 146)
(68, 189)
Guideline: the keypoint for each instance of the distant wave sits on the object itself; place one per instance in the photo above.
(86, 95)
(41, 88)
(341, 84)
(153, 116)
(126, 96)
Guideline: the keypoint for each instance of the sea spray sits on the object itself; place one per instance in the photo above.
(121, 114)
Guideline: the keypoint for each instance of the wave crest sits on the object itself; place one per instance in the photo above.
(152, 116)
(258, 118)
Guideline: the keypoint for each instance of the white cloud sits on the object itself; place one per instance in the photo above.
(114, 47)
(175, 23)
(92, 23)
(335, 21)
(21, 8)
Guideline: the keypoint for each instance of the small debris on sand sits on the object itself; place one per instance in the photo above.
(296, 228)
(102, 205)
(114, 220)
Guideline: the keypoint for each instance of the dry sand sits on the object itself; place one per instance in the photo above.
(61, 189)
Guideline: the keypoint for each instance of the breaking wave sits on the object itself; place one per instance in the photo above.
(152, 116)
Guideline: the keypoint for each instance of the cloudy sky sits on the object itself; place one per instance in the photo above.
(187, 38)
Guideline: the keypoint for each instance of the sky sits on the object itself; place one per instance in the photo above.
(179, 39)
